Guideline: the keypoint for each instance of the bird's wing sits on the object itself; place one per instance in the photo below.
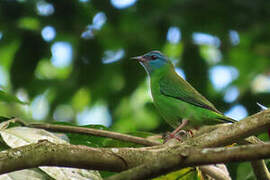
(175, 87)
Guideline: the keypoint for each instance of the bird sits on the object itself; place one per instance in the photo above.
(180, 104)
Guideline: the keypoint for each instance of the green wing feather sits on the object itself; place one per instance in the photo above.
(174, 86)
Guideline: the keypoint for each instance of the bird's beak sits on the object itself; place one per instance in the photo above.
(139, 58)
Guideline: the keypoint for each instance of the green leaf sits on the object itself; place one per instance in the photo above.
(183, 174)
(5, 97)
(2, 118)
(118, 143)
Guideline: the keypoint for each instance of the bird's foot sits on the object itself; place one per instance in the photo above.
(180, 135)
(191, 134)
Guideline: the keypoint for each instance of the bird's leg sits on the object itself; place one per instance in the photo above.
(176, 133)
(180, 127)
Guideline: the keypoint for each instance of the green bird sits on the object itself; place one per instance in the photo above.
(178, 102)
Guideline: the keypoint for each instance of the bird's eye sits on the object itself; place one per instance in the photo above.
(153, 57)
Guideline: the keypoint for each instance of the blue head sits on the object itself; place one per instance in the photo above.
(152, 61)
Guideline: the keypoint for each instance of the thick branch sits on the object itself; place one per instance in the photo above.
(118, 159)
(49, 154)
(231, 133)
(219, 137)
(46, 153)
(259, 167)
(195, 157)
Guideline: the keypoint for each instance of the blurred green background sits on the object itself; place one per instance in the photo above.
(71, 59)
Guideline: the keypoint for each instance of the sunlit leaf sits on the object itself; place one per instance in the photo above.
(5, 97)
(183, 174)
(81, 99)
(29, 23)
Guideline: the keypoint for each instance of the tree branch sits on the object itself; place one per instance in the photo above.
(260, 170)
(45, 153)
(195, 157)
(172, 155)
(213, 172)
(219, 137)
(96, 132)
(259, 167)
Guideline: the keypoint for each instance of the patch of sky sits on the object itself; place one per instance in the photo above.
(205, 39)
(48, 33)
(63, 113)
(98, 21)
(99, 114)
(261, 84)
(1, 35)
(237, 112)
(22, 95)
(174, 35)
(231, 94)
(3, 77)
(234, 37)
(112, 56)
(40, 107)
(61, 54)
(221, 76)
(44, 8)
(88, 34)
(180, 72)
(84, 1)
(122, 4)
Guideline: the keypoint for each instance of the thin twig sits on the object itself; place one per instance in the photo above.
(96, 132)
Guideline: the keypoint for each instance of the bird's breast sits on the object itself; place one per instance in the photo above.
(168, 107)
